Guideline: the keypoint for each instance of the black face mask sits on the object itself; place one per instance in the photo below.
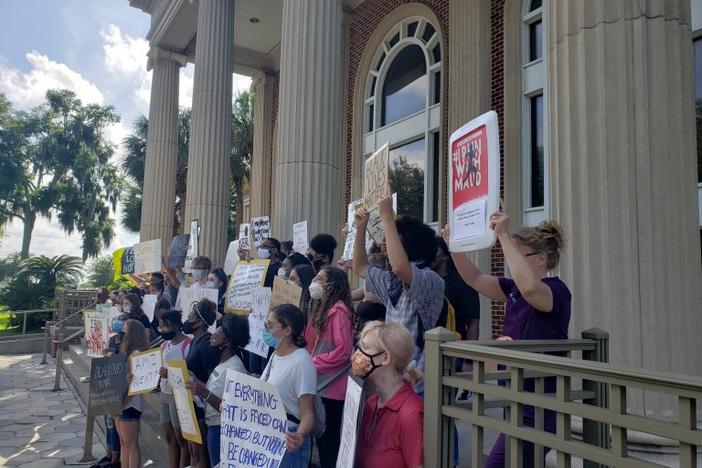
(189, 327)
(318, 264)
(168, 335)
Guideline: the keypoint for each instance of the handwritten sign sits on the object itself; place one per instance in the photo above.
(261, 230)
(351, 228)
(128, 261)
(247, 277)
(147, 257)
(375, 224)
(285, 292)
(231, 258)
(244, 230)
(300, 243)
(189, 296)
(253, 422)
(349, 425)
(260, 305)
(376, 185)
(193, 246)
(149, 305)
(178, 250)
(145, 368)
(97, 332)
(112, 314)
(108, 384)
(177, 376)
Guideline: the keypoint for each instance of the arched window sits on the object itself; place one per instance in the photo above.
(402, 106)
(535, 165)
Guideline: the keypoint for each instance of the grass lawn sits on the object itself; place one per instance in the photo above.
(5, 328)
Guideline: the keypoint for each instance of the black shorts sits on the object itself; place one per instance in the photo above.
(130, 414)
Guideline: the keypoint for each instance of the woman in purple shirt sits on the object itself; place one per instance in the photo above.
(537, 305)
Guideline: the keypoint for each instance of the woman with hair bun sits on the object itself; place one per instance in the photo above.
(391, 429)
(538, 305)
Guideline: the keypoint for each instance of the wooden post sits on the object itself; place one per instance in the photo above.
(59, 356)
(594, 432)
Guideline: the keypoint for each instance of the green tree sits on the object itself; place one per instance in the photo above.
(100, 272)
(241, 151)
(62, 270)
(407, 179)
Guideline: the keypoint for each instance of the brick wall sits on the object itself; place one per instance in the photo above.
(274, 119)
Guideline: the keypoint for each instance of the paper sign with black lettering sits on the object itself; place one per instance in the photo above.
(260, 305)
(189, 296)
(300, 243)
(244, 236)
(193, 247)
(351, 230)
(285, 292)
(231, 258)
(375, 224)
(349, 425)
(178, 250)
(148, 305)
(145, 367)
(376, 184)
(128, 261)
(97, 332)
(253, 424)
(108, 384)
(112, 314)
(147, 257)
(247, 277)
(177, 376)
(261, 229)
(474, 178)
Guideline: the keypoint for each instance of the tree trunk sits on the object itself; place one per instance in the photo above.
(29, 219)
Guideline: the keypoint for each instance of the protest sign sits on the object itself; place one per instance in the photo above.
(108, 384)
(177, 377)
(261, 228)
(97, 332)
(376, 185)
(260, 305)
(244, 231)
(117, 264)
(285, 292)
(193, 247)
(145, 367)
(349, 425)
(148, 305)
(474, 177)
(231, 258)
(189, 296)
(127, 261)
(351, 230)
(248, 276)
(112, 314)
(178, 250)
(300, 243)
(254, 422)
(375, 224)
(147, 257)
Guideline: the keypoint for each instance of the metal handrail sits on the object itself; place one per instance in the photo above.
(59, 356)
(24, 318)
(75, 313)
(51, 323)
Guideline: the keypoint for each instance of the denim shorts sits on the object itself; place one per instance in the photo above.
(130, 414)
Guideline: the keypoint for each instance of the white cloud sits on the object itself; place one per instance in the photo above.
(124, 54)
(26, 90)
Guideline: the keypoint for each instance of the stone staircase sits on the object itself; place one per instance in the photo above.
(153, 445)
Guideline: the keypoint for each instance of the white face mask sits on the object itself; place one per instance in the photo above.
(126, 308)
(198, 274)
(281, 273)
(263, 253)
(316, 290)
(211, 285)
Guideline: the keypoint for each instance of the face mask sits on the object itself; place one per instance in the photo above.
(281, 273)
(263, 253)
(270, 339)
(211, 285)
(117, 326)
(167, 335)
(316, 290)
(126, 309)
(362, 364)
(198, 274)
(188, 328)
(318, 264)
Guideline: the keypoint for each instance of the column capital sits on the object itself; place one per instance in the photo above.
(158, 53)
(260, 79)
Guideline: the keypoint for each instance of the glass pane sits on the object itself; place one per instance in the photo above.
(537, 151)
(428, 32)
(395, 39)
(436, 52)
(407, 168)
(412, 28)
(698, 104)
(381, 59)
(536, 32)
(372, 86)
(371, 116)
(437, 88)
(405, 86)
(435, 179)
(535, 5)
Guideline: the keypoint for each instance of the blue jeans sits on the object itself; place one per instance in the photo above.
(213, 444)
(299, 458)
(111, 435)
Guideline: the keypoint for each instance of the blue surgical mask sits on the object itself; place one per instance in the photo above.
(263, 253)
(270, 339)
(117, 326)
(198, 274)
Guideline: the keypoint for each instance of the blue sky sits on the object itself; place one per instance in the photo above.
(94, 47)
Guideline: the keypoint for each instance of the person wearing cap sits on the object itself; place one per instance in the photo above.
(321, 251)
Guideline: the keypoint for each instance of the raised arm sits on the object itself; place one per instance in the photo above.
(360, 259)
(396, 253)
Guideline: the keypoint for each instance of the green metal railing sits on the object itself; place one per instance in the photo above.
(588, 388)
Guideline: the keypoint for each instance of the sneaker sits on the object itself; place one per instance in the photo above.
(104, 461)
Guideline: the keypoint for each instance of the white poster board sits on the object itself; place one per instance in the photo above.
(231, 258)
(189, 296)
(112, 314)
(260, 305)
(261, 229)
(149, 305)
(474, 183)
(349, 425)
(145, 367)
(375, 223)
(177, 376)
(193, 247)
(300, 243)
(147, 257)
(247, 277)
(97, 332)
(244, 236)
(253, 422)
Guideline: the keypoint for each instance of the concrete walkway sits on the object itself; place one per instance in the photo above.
(38, 427)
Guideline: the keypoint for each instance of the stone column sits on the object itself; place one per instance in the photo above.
(307, 167)
(261, 162)
(624, 179)
(207, 198)
(161, 164)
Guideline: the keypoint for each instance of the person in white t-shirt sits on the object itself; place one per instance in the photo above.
(291, 371)
(231, 337)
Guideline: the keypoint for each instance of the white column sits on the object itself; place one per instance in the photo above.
(161, 163)
(309, 157)
(208, 181)
(261, 161)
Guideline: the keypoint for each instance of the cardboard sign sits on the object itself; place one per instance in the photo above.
(231, 258)
(244, 231)
(117, 263)
(178, 250)
(253, 422)
(147, 257)
(193, 246)
(127, 261)
(351, 228)
(260, 305)
(285, 292)
(261, 228)
(97, 332)
(300, 243)
(375, 224)
(247, 277)
(474, 178)
(148, 305)
(145, 367)
(376, 185)
(177, 377)
(349, 425)
(108, 384)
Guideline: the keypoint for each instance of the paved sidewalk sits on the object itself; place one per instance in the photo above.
(38, 427)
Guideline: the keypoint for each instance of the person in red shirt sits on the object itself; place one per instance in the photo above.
(391, 432)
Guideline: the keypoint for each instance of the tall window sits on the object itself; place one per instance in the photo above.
(403, 107)
(534, 104)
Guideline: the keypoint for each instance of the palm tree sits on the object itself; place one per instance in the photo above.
(62, 270)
